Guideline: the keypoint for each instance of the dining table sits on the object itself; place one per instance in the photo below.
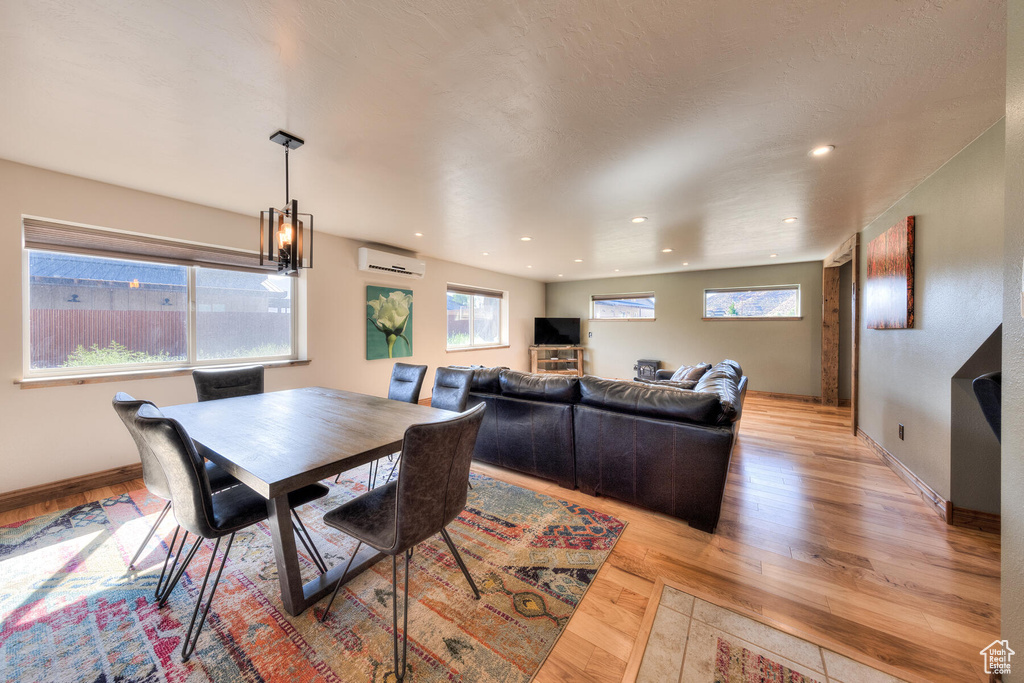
(280, 441)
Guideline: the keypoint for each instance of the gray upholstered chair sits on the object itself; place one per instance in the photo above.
(405, 386)
(228, 382)
(406, 382)
(152, 474)
(428, 494)
(198, 509)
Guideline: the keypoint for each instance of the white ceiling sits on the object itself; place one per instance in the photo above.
(477, 123)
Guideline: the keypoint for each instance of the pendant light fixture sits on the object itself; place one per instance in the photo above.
(283, 236)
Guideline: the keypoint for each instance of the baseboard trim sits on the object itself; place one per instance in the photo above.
(66, 487)
(942, 507)
(802, 398)
(976, 519)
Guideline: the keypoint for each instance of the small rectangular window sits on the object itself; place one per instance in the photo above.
(475, 317)
(637, 306)
(242, 315)
(774, 302)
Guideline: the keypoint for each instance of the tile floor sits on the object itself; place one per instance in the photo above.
(684, 643)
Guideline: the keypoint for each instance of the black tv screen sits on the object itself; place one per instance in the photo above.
(556, 331)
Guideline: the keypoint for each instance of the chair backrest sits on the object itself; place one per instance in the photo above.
(451, 389)
(406, 382)
(228, 383)
(434, 476)
(989, 389)
(184, 469)
(152, 474)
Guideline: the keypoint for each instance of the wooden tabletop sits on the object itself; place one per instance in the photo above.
(280, 441)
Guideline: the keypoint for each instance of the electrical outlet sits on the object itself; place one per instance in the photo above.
(901, 432)
(590, 334)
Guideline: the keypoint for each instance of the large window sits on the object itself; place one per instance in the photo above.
(622, 306)
(775, 302)
(87, 312)
(476, 317)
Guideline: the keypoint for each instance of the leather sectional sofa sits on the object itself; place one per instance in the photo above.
(655, 446)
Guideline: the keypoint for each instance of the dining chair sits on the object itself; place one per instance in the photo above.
(405, 386)
(428, 494)
(228, 382)
(200, 511)
(152, 474)
(450, 392)
(217, 383)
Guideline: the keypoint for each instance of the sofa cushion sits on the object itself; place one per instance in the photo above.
(684, 384)
(485, 380)
(553, 388)
(651, 400)
(724, 381)
(690, 373)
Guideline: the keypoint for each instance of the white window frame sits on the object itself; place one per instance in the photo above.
(191, 360)
(471, 290)
(755, 288)
(594, 298)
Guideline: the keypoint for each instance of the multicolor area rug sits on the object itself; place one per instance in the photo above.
(71, 610)
(695, 641)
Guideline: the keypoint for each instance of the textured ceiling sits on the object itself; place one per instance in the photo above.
(477, 123)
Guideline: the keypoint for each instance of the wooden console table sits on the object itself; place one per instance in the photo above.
(557, 360)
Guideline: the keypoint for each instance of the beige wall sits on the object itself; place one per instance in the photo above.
(780, 356)
(905, 375)
(54, 433)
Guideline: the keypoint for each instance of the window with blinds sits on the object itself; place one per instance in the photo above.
(476, 317)
(100, 299)
(635, 306)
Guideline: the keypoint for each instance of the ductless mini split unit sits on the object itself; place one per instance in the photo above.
(374, 261)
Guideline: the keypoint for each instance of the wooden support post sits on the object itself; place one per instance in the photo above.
(830, 337)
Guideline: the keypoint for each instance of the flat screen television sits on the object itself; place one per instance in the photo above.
(556, 331)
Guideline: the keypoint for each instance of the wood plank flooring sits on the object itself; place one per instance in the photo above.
(816, 533)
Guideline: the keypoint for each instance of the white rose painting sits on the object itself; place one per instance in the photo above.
(388, 323)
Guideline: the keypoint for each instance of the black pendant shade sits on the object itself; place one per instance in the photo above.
(286, 236)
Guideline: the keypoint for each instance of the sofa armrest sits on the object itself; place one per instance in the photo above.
(663, 374)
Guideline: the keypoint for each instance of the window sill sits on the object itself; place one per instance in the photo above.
(479, 348)
(96, 378)
(621, 320)
(739, 318)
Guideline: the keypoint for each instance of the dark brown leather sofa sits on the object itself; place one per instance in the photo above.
(655, 446)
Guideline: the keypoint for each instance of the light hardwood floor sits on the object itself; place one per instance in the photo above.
(816, 533)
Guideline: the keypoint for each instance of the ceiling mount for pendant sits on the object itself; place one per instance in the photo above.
(283, 233)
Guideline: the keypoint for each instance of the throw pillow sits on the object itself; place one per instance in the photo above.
(690, 373)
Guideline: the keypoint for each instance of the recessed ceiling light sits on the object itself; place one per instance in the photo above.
(559, 275)
(525, 238)
(791, 219)
(666, 250)
(824, 149)
(577, 260)
(485, 254)
(418, 234)
(640, 219)
(686, 263)
(772, 255)
(616, 270)
(529, 266)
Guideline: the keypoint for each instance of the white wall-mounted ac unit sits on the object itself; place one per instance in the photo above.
(374, 261)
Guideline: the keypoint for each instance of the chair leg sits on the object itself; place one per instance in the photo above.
(163, 513)
(393, 468)
(400, 674)
(458, 559)
(190, 640)
(327, 611)
(307, 543)
(173, 581)
(160, 586)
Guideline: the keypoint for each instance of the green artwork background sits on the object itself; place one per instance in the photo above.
(389, 315)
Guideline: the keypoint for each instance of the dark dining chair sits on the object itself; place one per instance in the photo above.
(228, 382)
(405, 386)
(218, 383)
(428, 494)
(152, 474)
(451, 392)
(198, 510)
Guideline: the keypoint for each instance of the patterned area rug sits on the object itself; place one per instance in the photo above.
(71, 610)
(737, 664)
